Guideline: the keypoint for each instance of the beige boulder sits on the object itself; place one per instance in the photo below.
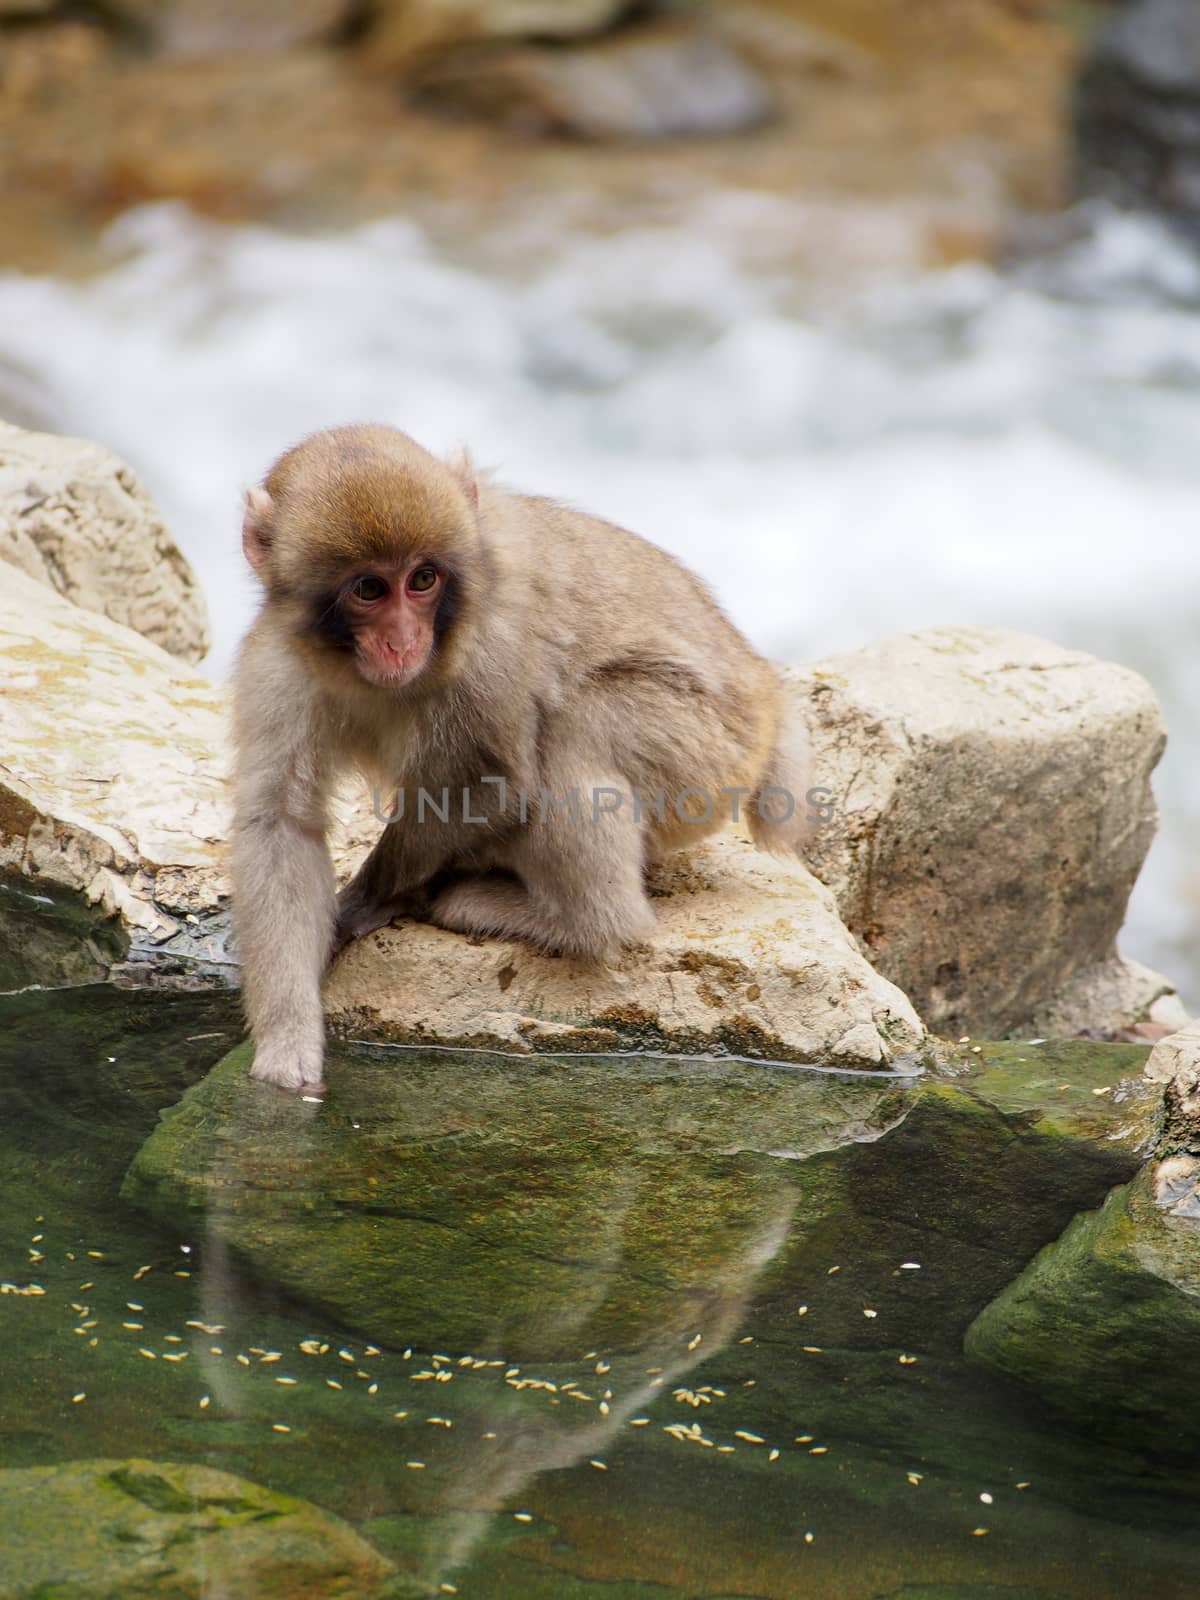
(404, 29)
(748, 958)
(990, 810)
(75, 517)
(1175, 1061)
(111, 785)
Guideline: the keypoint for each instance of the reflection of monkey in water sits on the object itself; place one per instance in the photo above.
(432, 630)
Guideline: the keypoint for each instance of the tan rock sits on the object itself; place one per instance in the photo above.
(112, 778)
(1175, 1061)
(661, 81)
(403, 29)
(748, 958)
(75, 517)
(991, 809)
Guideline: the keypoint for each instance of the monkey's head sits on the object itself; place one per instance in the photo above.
(370, 548)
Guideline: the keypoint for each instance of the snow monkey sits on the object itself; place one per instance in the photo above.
(556, 701)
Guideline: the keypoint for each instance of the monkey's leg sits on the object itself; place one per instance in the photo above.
(580, 868)
(389, 884)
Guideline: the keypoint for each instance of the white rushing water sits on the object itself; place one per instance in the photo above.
(840, 464)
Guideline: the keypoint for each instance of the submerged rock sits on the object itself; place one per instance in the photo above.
(748, 958)
(539, 1207)
(132, 1530)
(991, 809)
(75, 517)
(1104, 1324)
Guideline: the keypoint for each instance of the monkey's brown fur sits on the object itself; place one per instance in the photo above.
(569, 655)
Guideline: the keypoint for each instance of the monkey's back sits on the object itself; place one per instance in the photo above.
(635, 649)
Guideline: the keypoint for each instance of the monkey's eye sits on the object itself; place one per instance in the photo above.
(422, 580)
(369, 589)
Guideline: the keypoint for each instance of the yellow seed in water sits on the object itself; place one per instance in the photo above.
(244, 1360)
(867, 1312)
(332, 1384)
(812, 1349)
(831, 1271)
(805, 1438)
(908, 1361)
(149, 1355)
(750, 1438)
(986, 1498)
(133, 1325)
(773, 1455)
(692, 1343)
(286, 1380)
(801, 1311)
(600, 1466)
(281, 1427)
(399, 1415)
(914, 1477)
(808, 1538)
(522, 1516)
(603, 1408)
(134, 1305)
(76, 1398)
(372, 1388)
(415, 1465)
(204, 1402)
(819, 1450)
(448, 1588)
(638, 1422)
(978, 1532)
(96, 1255)
(1021, 1485)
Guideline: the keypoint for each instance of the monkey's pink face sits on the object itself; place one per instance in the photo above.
(393, 615)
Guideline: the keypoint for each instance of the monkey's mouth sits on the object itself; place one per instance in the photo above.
(393, 671)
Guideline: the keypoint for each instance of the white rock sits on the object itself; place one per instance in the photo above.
(992, 808)
(112, 782)
(75, 517)
(748, 958)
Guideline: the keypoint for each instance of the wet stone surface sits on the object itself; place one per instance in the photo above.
(616, 1289)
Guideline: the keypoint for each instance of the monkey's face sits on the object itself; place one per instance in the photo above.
(390, 617)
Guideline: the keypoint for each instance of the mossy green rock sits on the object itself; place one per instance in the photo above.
(536, 1206)
(1104, 1324)
(124, 1530)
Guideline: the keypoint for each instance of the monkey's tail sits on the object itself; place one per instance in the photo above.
(777, 815)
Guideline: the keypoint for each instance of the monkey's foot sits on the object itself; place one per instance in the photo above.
(289, 1063)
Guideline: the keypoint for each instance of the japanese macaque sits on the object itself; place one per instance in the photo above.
(569, 698)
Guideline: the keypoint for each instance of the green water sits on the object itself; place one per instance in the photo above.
(573, 1262)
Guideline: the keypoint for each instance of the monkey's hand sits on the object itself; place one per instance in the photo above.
(290, 1059)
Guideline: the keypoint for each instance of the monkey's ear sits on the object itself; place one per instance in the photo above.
(256, 527)
(463, 469)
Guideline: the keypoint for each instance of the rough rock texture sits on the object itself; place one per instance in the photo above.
(748, 956)
(98, 1529)
(1104, 1324)
(1137, 109)
(1175, 1061)
(75, 517)
(661, 81)
(112, 777)
(991, 810)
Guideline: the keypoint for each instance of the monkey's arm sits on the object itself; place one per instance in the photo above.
(282, 876)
